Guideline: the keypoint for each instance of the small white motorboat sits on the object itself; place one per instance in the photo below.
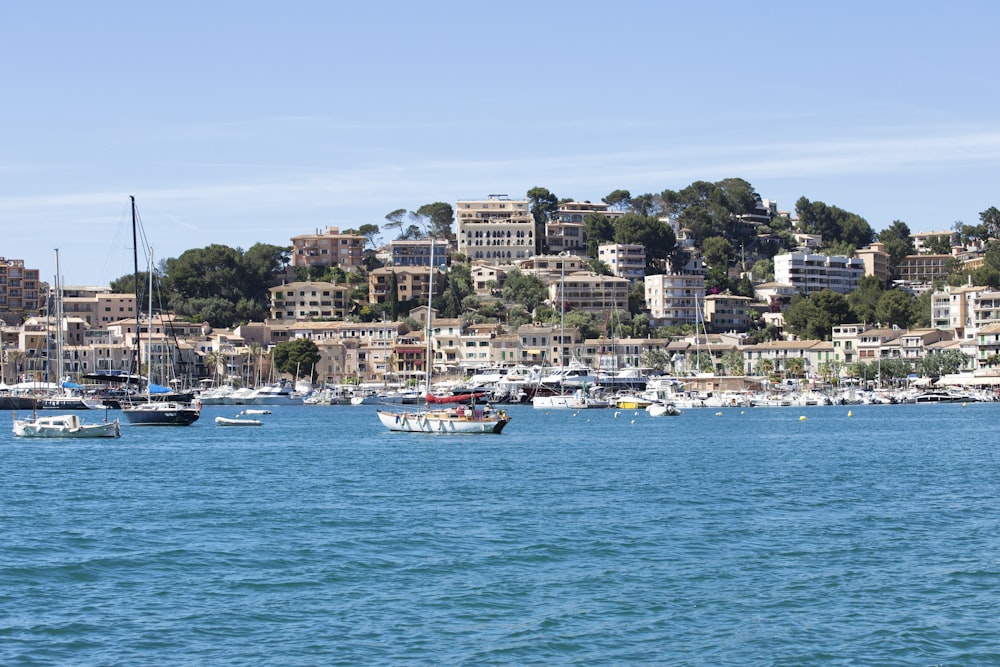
(660, 409)
(226, 421)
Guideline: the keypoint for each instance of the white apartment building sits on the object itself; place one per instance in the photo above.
(952, 308)
(498, 229)
(625, 260)
(809, 273)
(675, 299)
(985, 311)
(308, 300)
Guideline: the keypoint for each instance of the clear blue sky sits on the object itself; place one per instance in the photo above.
(244, 122)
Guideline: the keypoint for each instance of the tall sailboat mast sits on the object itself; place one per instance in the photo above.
(135, 285)
(427, 334)
(59, 318)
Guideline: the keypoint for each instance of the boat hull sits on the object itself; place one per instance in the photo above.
(161, 414)
(64, 426)
(223, 421)
(443, 421)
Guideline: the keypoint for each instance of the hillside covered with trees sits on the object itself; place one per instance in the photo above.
(736, 237)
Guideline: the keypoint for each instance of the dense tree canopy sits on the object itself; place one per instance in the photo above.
(297, 357)
(898, 244)
(598, 229)
(835, 224)
(525, 289)
(218, 284)
(438, 219)
(656, 236)
(813, 317)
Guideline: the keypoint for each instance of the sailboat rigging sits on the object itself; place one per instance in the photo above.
(62, 426)
(150, 412)
(473, 418)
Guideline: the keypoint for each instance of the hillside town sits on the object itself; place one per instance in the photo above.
(498, 237)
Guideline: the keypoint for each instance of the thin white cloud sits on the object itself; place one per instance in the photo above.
(415, 181)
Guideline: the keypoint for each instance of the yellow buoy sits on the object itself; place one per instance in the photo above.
(802, 418)
(850, 414)
(718, 414)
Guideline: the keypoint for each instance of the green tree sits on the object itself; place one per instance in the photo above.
(599, 267)
(944, 362)
(763, 271)
(655, 235)
(814, 317)
(369, 231)
(619, 200)
(922, 310)
(703, 208)
(438, 219)
(898, 244)
(645, 205)
(524, 289)
(597, 229)
(939, 245)
(864, 299)
(296, 356)
(990, 219)
(392, 296)
(795, 367)
(396, 219)
(658, 360)
(542, 205)
(833, 223)
(733, 362)
(895, 307)
(517, 315)
(717, 251)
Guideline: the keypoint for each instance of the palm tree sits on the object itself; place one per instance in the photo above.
(212, 361)
(12, 358)
(256, 355)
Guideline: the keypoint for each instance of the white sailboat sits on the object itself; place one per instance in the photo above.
(448, 417)
(62, 426)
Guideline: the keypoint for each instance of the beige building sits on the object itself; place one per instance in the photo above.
(97, 306)
(486, 278)
(564, 232)
(19, 288)
(876, 261)
(925, 268)
(412, 283)
(310, 300)
(498, 229)
(329, 248)
(727, 312)
(589, 292)
(550, 267)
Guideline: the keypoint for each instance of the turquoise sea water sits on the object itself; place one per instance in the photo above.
(750, 537)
